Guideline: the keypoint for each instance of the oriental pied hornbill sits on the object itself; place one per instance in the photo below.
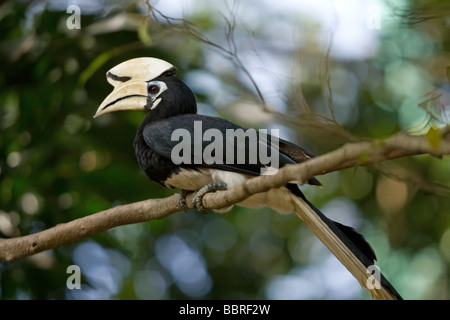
(150, 84)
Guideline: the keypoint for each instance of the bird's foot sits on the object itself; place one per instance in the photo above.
(182, 200)
(212, 187)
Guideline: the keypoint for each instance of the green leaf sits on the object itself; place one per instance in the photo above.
(143, 33)
(434, 137)
(94, 66)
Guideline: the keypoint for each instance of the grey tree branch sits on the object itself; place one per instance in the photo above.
(349, 155)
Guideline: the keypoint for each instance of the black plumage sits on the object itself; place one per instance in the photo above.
(153, 145)
(172, 106)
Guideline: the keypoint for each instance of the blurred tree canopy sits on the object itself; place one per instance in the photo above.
(330, 73)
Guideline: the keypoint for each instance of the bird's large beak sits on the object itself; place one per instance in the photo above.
(131, 95)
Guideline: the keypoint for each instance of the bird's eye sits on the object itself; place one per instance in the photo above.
(153, 89)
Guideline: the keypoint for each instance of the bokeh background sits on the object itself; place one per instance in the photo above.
(330, 72)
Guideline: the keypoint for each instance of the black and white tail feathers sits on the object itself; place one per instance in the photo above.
(350, 247)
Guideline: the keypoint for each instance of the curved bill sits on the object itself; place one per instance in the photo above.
(131, 95)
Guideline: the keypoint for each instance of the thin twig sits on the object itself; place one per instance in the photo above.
(231, 52)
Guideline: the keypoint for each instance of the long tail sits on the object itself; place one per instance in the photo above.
(351, 249)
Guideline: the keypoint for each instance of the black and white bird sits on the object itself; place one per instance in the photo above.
(150, 84)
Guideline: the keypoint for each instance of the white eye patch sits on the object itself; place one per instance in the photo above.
(155, 89)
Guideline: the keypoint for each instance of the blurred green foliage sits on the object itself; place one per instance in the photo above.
(57, 164)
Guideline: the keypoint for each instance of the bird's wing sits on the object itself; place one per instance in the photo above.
(164, 135)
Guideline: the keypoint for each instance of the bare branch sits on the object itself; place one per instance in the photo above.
(349, 155)
(12, 249)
